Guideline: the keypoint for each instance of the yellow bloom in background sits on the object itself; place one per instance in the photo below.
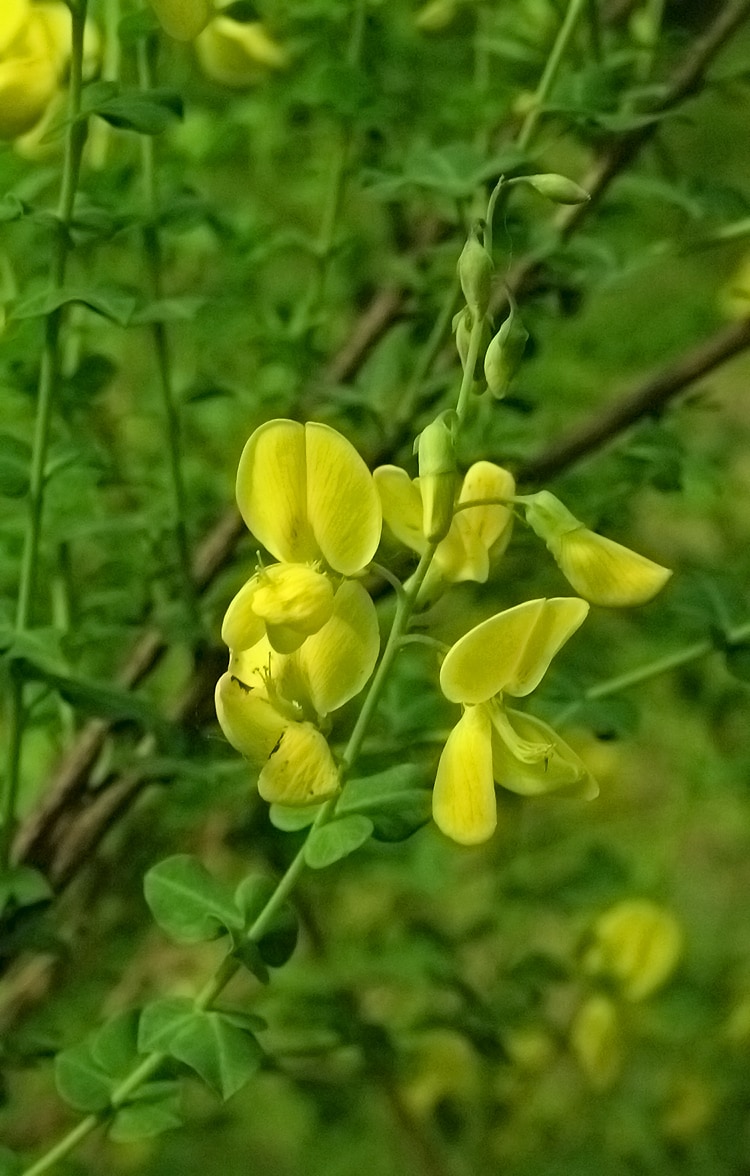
(183, 19)
(601, 571)
(29, 70)
(309, 498)
(637, 944)
(238, 54)
(477, 534)
(596, 1040)
(507, 654)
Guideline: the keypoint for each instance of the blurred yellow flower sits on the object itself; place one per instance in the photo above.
(637, 944)
(183, 19)
(601, 571)
(507, 654)
(596, 1040)
(238, 54)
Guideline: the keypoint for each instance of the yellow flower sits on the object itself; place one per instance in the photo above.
(271, 705)
(476, 535)
(28, 71)
(183, 19)
(596, 1040)
(637, 944)
(506, 654)
(238, 54)
(308, 497)
(601, 571)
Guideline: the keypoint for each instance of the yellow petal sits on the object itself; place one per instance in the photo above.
(300, 769)
(294, 601)
(249, 721)
(241, 627)
(182, 19)
(28, 80)
(636, 943)
(595, 1039)
(336, 662)
(511, 651)
(13, 14)
(238, 54)
(342, 503)
(463, 802)
(402, 505)
(492, 524)
(272, 491)
(605, 572)
(529, 758)
(462, 555)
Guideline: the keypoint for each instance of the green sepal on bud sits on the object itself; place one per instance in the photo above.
(462, 324)
(558, 188)
(504, 353)
(438, 476)
(475, 272)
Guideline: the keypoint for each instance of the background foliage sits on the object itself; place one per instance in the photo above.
(308, 229)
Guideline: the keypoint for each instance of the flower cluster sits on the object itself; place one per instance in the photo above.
(303, 632)
(232, 52)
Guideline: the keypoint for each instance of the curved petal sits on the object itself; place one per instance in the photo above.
(489, 523)
(638, 944)
(249, 721)
(605, 572)
(511, 651)
(241, 628)
(462, 555)
(342, 503)
(402, 506)
(271, 491)
(336, 662)
(529, 758)
(300, 770)
(463, 802)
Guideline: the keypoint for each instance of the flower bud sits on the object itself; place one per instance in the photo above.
(437, 478)
(182, 19)
(504, 354)
(601, 571)
(637, 944)
(557, 188)
(475, 273)
(596, 1041)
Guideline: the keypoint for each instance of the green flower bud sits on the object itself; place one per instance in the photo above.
(437, 477)
(558, 188)
(462, 323)
(504, 354)
(475, 272)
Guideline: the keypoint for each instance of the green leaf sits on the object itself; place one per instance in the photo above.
(336, 840)
(737, 659)
(144, 1120)
(291, 820)
(147, 112)
(188, 902)
(22, 886)
(243, 11)
(248, 953)
(108, 301)
(168, 310)
(11, 208)
(114, 1047)
(278, 941)
(80, 1080)
(136, 25)
(396, 801)
(218, 1046)
(223, 1054)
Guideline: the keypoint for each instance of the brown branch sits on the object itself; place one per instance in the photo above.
(643, 400)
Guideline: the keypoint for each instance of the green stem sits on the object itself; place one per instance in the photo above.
(662, 665)
(475, 340)
(153, 253)
(49, 373)
(547, 80)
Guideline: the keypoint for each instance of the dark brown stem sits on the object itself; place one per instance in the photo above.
(646, 398)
